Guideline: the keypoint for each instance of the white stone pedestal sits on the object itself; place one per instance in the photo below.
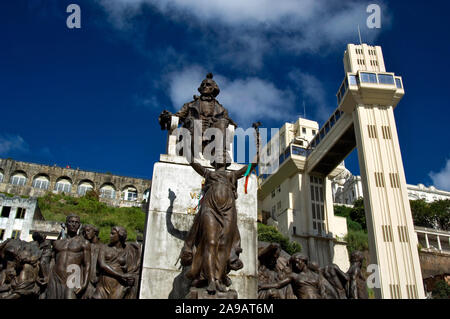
(169, 220)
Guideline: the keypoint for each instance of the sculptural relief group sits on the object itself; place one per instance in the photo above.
(75, 266)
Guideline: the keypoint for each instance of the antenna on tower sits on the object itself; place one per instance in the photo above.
(359, 33)
(304, 109)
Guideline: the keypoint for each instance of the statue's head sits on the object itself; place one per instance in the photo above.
(73, 223)
(298, 262)
(118, 234)
(221, 159)
(39, 237)
(314, 266)
(89, 232)
(209, 87)
(356, 256)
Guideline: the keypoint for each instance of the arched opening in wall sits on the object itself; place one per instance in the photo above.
(108, 191)
(19, 178)
(85, 186)
(41, 181)
(129, 193)
(63, 184)
(146, 195)
(1, 176)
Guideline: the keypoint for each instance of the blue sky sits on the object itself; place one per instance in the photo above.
(90, 97)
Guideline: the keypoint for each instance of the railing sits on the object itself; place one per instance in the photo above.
(325, 130)
(430, 234)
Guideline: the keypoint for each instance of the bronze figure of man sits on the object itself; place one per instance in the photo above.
(204, 108)
(72, 252)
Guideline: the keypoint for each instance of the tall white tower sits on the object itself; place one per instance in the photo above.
(369, 94)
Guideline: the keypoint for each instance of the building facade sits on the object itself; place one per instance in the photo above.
(17, 215)
(35, 180)
(298, 207)
(348, 188)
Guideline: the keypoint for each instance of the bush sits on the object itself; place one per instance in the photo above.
(56, 207)
(271, 235)
(357, 240)
(441, 290)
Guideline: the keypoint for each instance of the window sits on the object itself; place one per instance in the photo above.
(2, 234)
(107, 191)
(41, 182)
(279, 189)
(398, 82)
(63, 185)
(295, 230)
(20, 213)
(5, 211)
(304, 130)
(273, 193)
(15, 234)
(386, 79)
(273, 210)
(84, 188)
(352, 80)
(279, 205)
(368, 77)
(317, 204)
(1, 177)
(130, 194)
(314, 132)
(18, 179)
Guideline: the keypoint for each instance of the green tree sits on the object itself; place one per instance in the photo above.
(441, 290)
(358, 214)
(440, 212)
(271, 235)
(421, 213)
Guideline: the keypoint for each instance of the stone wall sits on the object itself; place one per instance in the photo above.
(9, 167)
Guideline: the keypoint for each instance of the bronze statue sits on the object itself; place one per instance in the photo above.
(272, 269)
(45, 247)
(20, 277)
(356, 285)
(118, 264)
(213, 244)
(90, 233)
(71, 251)
(204, 108)
(305, 283)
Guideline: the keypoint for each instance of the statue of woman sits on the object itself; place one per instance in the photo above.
(117, 266)
(213, 244)
(356, 286)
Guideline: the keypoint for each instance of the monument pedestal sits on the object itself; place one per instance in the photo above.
(201, 293)
(174, 197)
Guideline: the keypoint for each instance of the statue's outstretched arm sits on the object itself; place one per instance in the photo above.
(199, 169)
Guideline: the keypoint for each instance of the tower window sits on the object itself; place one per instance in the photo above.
(21, 213)
(5, 211)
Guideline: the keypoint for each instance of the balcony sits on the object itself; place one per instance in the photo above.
(369, 88)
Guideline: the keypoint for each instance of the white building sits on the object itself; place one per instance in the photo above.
(285, 197)
(16, 217)
(347, 188)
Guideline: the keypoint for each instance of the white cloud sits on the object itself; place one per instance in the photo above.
(246, 99)
(10, 143)
(441, 180)
(244, 32)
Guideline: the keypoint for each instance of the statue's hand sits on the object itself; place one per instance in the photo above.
(164, 120)
(129, 279)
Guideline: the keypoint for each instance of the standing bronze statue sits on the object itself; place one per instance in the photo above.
(90, 233)
(118, 264)
(213, 244)
(71, 252)
(356, 285)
